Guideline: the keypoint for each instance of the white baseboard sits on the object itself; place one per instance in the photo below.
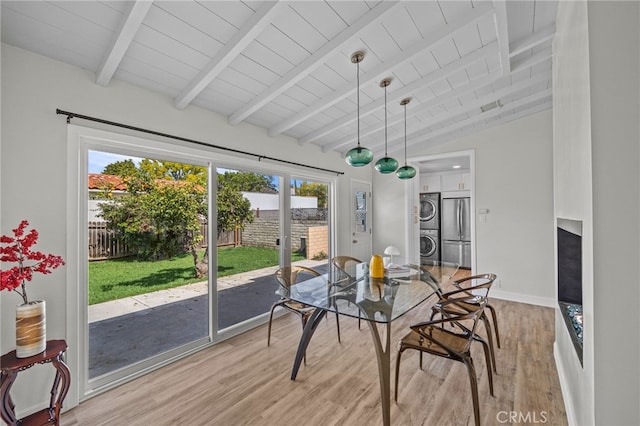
(549, 302)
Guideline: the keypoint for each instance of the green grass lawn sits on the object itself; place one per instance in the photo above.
(118, 278)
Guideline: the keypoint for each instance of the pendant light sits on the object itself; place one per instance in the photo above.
(358, 156)
(405, 172)
(386, 164)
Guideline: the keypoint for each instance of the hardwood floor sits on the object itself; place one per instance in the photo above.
(243, 382)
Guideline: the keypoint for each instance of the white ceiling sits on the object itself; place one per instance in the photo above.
(448, 164)
(286, 66)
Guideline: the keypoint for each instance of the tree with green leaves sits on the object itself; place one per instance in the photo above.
(169, 170)
(157, 219)
(121, 168)
(159, 214)
(234, 211)
(314, 189)
(247, 182)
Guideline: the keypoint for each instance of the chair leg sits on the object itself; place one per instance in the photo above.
(349, 304)
(337, 321)
(495, 324)
(433, 314)
(304, 323)
(468, 362)
(487, 327)
(487, 356)
(420, 360)
(271, 318)
(395, 392)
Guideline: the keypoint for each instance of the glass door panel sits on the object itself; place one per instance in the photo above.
(310, 223)
(248, 251)
(147, 228)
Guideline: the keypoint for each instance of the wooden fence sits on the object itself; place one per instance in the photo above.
(104, 244)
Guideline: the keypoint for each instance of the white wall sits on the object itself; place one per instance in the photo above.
(573, 192)
(33, 168)
(597, 158)
(390, 216)
(513, 179)
(271, 201)
(614, 54)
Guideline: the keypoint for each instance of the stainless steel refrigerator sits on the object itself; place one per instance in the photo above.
(455, 231)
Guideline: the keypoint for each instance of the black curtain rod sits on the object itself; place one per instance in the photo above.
(71, 115)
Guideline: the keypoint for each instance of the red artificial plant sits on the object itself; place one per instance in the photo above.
(17, 249)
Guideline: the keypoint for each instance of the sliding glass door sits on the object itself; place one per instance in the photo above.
(176, 253)
(147, 294)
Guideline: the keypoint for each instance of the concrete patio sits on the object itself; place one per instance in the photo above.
(125, 331)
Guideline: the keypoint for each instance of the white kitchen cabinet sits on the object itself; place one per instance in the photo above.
(430, 183)
(456, 181)
(466, 180)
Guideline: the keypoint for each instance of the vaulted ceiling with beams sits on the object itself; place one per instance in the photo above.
(285, 66)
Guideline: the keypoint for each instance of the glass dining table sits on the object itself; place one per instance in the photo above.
(377, 301)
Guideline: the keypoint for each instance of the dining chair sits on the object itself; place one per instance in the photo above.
(477, 288)
(492, 277)
(449, 337)
(287, 277)
(342, 263)
(466, 285)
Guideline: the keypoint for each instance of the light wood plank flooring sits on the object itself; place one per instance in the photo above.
(243, 382)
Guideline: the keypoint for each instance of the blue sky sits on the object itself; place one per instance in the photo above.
(99, 159)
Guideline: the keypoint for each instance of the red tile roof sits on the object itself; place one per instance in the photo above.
(117, 183)
(108, 182)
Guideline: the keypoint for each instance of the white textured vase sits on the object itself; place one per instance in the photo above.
(31, 329)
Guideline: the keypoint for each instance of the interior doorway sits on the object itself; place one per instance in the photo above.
(450, 176)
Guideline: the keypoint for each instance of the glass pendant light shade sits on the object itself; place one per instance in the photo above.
(405, 172)
(358, 156)
(386, 164)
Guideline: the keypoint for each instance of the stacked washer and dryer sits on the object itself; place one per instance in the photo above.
(429, 227)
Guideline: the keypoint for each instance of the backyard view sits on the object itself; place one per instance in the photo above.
(148, 266)
(125, 277)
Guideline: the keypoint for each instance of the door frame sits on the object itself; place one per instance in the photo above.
(80, 140)
(413, 199)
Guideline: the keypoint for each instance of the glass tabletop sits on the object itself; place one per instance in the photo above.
(353, 292)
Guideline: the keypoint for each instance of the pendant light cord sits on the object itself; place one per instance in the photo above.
(385, 121)
(405, 135)
(358, 156)
(358, 98)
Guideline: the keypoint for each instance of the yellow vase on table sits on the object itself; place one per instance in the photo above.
(376, 267)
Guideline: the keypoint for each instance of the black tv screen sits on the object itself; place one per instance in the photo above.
(570, 261)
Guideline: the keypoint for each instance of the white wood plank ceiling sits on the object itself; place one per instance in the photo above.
(286, 66)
